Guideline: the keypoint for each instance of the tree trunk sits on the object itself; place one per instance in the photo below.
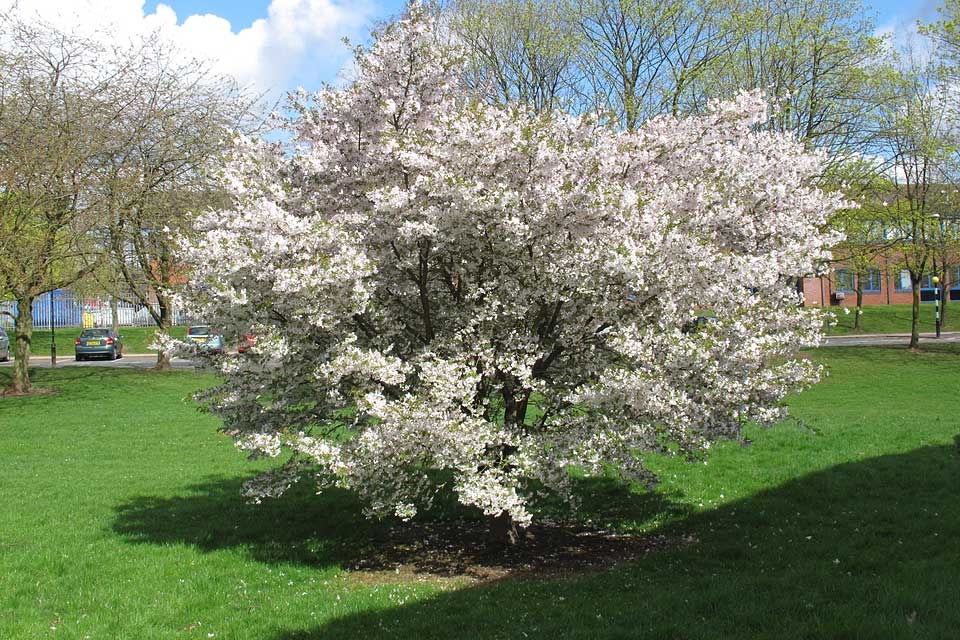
(504, 531)
(915, 320)
(23, 330)
(114, 315)
(859, 309)
(166, 321)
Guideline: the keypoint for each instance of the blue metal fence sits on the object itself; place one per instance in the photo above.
(63, 308)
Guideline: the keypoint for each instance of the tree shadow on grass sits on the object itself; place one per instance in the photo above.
(299, 527)
(329, 529)
(862, 550)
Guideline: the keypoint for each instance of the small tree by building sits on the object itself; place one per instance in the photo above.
(916, 133)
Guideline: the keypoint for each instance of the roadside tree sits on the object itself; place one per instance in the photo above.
(181, 121)
(56, 110)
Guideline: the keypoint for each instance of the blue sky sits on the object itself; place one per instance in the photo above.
(891, 15)
(277, 45)
(909, 11)
(242, 13)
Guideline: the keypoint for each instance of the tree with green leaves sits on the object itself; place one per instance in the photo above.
(864, 227)
(916, 133)
(521, 51)
(817, 58)
(56, 111)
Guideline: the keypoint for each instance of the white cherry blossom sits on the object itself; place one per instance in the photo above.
(440, 285)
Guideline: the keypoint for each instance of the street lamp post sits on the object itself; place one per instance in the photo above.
(53, 336)
(936, 301)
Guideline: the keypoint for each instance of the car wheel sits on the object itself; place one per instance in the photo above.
(113, 354)
(79, 358)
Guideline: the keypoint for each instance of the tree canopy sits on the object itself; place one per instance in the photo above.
(445, 290)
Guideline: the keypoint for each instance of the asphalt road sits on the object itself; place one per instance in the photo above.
(148, 360)
(128, 361)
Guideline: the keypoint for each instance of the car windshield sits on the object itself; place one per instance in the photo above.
(95, 333)
(198, 331)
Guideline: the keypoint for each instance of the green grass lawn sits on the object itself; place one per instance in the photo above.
(893, 318)
(120, 517)
(135, 339)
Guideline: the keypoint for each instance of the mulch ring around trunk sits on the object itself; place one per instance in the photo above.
(464, 552)
(33, 392)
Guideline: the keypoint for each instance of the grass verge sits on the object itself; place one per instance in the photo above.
(120, 517)
(893, 318)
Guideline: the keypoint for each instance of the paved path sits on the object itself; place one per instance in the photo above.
(128, 361)
(889, 339)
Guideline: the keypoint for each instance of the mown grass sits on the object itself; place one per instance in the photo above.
(120, 518)
(893, 318)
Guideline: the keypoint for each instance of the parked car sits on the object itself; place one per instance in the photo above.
(247, 341)
(4, 346)
(201, 336)
(98, 342)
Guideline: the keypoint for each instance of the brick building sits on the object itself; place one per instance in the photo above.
(885, 282)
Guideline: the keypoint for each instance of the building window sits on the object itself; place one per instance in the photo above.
(926, 282)
(870, 281)
(843, 280)
(903, 282)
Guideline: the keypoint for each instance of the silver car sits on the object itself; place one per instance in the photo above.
(4, 346)
(205, 339)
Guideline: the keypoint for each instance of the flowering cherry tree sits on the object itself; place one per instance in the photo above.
(439, 285)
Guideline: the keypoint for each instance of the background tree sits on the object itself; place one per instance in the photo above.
(816, 58)
(521, 51)
(864, 227)
(164, 167)
(641, 58)
(945, 35)
(917, 133)
(56, 112)
(644, 58)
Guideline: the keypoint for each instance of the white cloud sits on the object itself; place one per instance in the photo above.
(298, 39)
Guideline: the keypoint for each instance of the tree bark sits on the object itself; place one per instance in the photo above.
(915, 320)
(504, 531)
(114, 315)
(164, 324)
(23, 331)
(859, 310)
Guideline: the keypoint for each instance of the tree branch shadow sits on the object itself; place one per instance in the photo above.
(448, 541)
